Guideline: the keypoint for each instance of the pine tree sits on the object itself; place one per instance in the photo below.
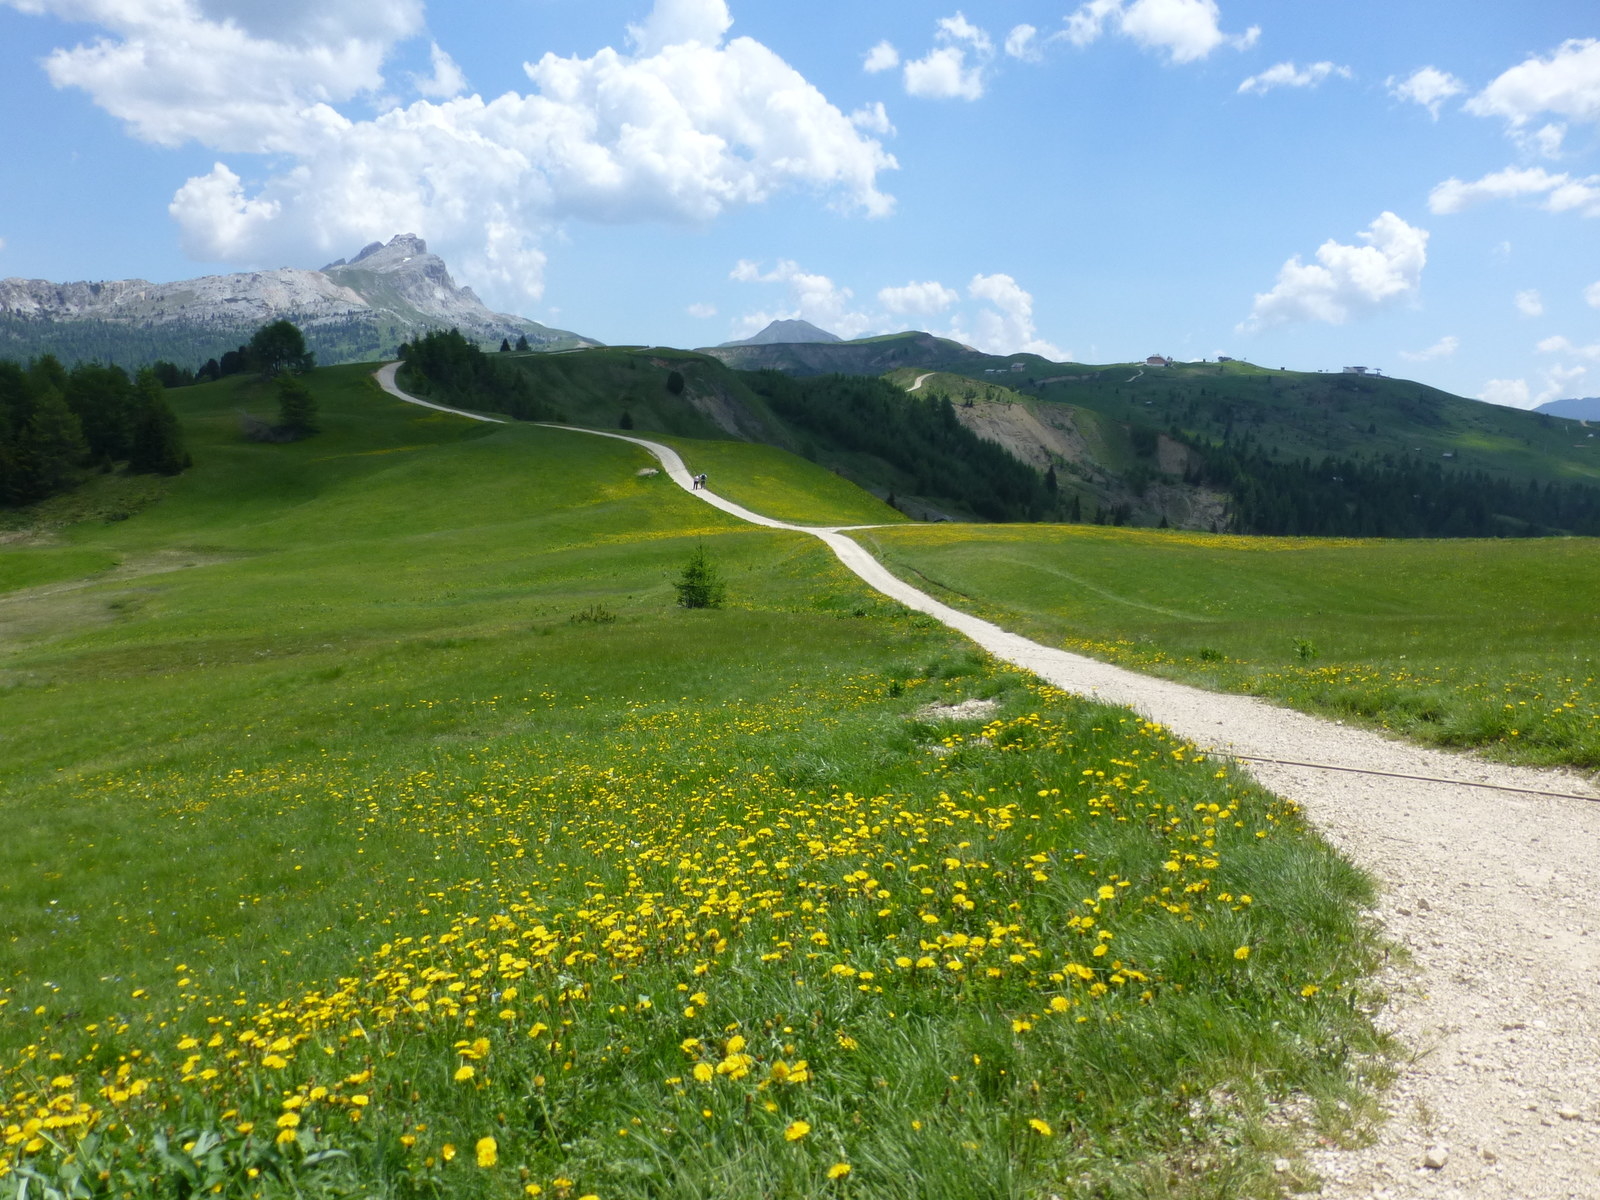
(297, 408)
(51, 448)
(522, 341)
(700, 585)
(157, 441)
(505, 346)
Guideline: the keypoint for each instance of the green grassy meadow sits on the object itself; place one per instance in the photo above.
(377, 825)
(1483, 644)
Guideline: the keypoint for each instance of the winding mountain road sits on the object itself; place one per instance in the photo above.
(1494, 893)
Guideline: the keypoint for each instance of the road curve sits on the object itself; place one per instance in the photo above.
(1495, 894)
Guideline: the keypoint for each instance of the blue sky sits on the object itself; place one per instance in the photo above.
(1413, 186)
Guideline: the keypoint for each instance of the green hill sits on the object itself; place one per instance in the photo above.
(376, 824)
(1296, 414)
(906, 449)
(1212, 446)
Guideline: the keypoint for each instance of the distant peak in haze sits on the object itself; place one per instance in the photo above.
(787, 333)
(1585, 408)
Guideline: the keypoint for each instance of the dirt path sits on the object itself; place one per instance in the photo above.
(1495, 894)
(919, 381)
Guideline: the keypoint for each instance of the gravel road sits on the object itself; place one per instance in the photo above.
(1494, 894)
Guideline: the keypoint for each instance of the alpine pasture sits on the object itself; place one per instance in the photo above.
(377, 825)
(1487, 644)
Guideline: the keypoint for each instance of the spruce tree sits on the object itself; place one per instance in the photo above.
(297, 408)
(157, 441)
(700, 585)
(51, 448)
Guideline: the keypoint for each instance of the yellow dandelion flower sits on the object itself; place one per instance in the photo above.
(1242, 952)
(447, 1151)
(1042, 1128)
(838, 1170)
(488, 1152)
(465, 1072)
(796, 1131)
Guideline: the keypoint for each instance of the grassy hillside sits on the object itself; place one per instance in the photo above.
(1296, 414)
(377, 825)
(1486, 644)
(865, 431)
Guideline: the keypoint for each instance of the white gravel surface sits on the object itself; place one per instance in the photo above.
(1494, 894)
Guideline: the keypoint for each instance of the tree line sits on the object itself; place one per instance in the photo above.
(447, 367)
(56, 426)
(1394, 497)
(923, 439)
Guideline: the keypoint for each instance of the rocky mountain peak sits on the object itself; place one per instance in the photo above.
(358, 307)
(402, 253)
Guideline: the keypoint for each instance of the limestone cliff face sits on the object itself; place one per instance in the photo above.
(396, 289)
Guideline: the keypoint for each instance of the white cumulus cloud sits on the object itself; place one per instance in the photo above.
(685, 126)
(259, 77)
(1512, 393)
(873, 118)
(1346, 280)
(681, 23)
(1566, 85)
(1004, 325)
(1185, 30)
(1529, 303)
(923, 299)
(882, 57)
(446, 80)
(953, 70)
(1022, 42)
(996, 314)
(1286, 74)
(1443, 348)
(1591, 294)
(1427, 86)
(812, 297)
(702, 311)
(1561, 345)
(681, 133)
(1560, 192)
(1516, 393)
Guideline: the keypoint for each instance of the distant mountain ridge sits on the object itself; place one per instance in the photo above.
(865, 356)
(786, 333)
(349, 311)
(1578, 408)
